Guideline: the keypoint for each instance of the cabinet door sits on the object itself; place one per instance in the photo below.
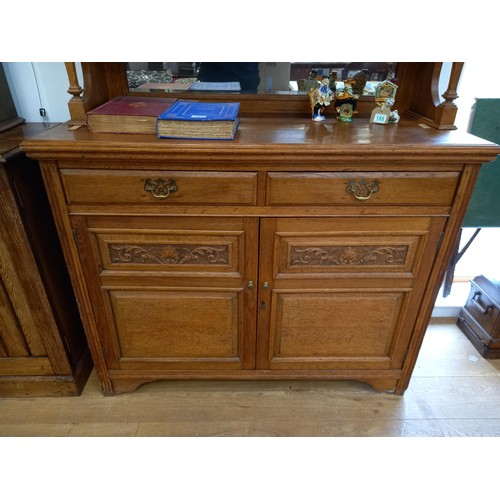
(341, 293)
(171, 293)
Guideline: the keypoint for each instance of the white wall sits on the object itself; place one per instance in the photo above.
(39, 85)
(478, 80)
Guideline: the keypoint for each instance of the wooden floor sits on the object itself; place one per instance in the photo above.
(454, 392)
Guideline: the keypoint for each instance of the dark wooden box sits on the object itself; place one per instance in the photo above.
(479, 319)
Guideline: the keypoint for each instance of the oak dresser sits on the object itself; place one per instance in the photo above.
(299, 250)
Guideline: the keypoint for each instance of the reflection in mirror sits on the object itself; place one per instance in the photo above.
(265, 77)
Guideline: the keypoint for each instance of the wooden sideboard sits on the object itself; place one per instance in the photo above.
(299, 250)
(43, 350)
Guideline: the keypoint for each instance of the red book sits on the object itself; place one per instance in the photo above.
(128, 115)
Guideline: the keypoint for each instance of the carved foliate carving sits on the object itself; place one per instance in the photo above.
(348, 256)
(169, 254)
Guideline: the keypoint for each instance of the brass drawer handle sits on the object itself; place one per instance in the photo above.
(482, 309)
(362, 189)
(160, 188)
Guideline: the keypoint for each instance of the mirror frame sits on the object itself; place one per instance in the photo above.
(417, 94)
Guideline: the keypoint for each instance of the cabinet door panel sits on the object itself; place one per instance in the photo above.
(176, 297)
(335, 329)
(179, 323)
(353, 297)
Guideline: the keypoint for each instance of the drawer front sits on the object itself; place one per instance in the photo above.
(159, 186)
(372, 188)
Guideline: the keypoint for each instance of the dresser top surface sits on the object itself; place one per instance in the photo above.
(10, 139)
(278, 136)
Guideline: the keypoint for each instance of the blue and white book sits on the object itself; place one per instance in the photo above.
(199, 120)
(216, 86)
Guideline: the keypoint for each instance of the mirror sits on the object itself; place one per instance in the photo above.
(418, 85)
(287, 78)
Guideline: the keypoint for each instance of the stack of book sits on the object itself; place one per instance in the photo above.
(199, 120)
(128, 115)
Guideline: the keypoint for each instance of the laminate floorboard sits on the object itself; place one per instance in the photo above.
(453, 392)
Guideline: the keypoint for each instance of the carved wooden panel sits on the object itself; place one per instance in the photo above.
(169, 254)
(328, 255)
(168, 251)
(359, 245)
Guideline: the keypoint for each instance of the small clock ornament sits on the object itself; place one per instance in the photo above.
(385, 90)
(385, 94)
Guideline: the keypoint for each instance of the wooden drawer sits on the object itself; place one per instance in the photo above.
(159, 186)
(372, 188)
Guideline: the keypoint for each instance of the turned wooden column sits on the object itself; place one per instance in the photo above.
(101, 82)
(446, 112)
(78, 103)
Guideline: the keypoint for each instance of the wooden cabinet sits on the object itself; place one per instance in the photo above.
(43, 350)
(298, 250)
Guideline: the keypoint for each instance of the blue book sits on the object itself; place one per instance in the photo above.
(199, 120)
(216, 86)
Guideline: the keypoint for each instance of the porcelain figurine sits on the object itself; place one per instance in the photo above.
(394, 116)
(312, 81)
(320, 97)
(359, 82)
(345, 102)
(333, 81)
